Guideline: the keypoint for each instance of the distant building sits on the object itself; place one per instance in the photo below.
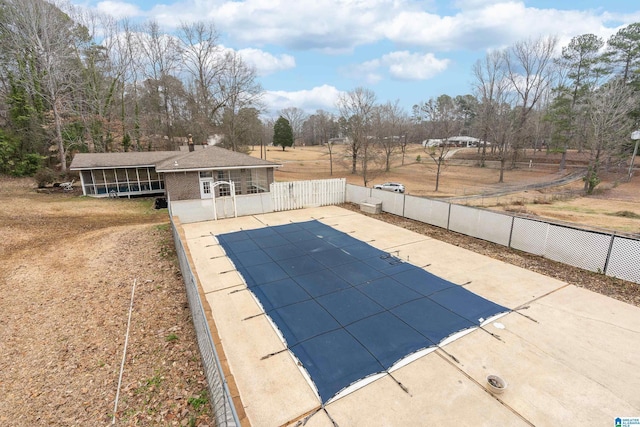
(453, 141)
(343, 140)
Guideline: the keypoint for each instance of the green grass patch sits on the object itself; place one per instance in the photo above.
(163, 227)
(150, 384)
(200, 402)
(625, 214)
(171, 338)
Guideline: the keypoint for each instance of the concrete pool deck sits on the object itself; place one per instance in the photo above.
(569, 356)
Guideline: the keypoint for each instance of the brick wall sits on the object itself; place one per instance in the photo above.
(182, 185)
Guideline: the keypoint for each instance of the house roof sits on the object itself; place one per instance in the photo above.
(211, 157)
(119, 160)
(170, 161)
(463, 138)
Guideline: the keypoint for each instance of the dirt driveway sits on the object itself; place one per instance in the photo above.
(67, 268)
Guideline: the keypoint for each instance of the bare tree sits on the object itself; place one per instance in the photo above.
(326, 128)
(490, 87)
(296, 118)
(608, 110)
(239, 90)
(105, 70)
(159, 61)
(441, 118)
(356, 108)
(530, 70)
(266, 136)
(391, 122)
(43, 41)
(204, 63)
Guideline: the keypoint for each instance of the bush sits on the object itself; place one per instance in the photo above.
(45, 176)
(13, 161)
(28, 165)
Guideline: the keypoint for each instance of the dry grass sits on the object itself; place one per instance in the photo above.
(562, 203)
(67, 267)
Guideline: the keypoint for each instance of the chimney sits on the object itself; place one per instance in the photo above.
(190, 142)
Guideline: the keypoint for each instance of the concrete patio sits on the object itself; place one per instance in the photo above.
(569, 356)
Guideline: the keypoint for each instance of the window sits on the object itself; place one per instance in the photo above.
(234, 175)
(206, 187)
(257, 181)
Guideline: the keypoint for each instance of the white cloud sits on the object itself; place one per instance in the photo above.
(481, 24)
(414, 66)
(399, 65)
(266, 63)
(339, 26)
(118, 9)
(367, 72)
(319, 98)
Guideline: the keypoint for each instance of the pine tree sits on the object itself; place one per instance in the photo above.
(282, 133)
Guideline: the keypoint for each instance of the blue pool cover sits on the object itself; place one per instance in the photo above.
(346, 309)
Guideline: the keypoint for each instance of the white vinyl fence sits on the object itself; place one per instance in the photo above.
(602, 252)
(282, 196)
(307, 194)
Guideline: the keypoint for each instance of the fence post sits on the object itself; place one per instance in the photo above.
(606, 262)
(513, 219)
(404, 202)
(449, 216)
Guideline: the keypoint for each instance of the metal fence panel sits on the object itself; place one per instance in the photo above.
(580, 248)
(494, 227)
(529, 236)
(624, 259)
(356, 194)
(392, 203)
(486, 225)
(219, 395)
(429, 211)
(250, 204)
(463, 219)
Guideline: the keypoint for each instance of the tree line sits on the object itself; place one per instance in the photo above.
(524, 96)
(72, 80)
(75, 81)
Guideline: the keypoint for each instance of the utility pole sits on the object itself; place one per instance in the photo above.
(635, 136)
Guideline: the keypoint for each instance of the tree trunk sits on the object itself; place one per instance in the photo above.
(354, 161)
(61, 152)
(330, 163)
(364, 166)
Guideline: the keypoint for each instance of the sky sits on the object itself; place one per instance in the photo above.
(307, 52)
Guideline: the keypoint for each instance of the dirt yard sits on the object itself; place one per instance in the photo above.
(67, 267)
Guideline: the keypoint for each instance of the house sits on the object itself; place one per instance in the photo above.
(453, 141)
(194, 174)
(343, 140)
